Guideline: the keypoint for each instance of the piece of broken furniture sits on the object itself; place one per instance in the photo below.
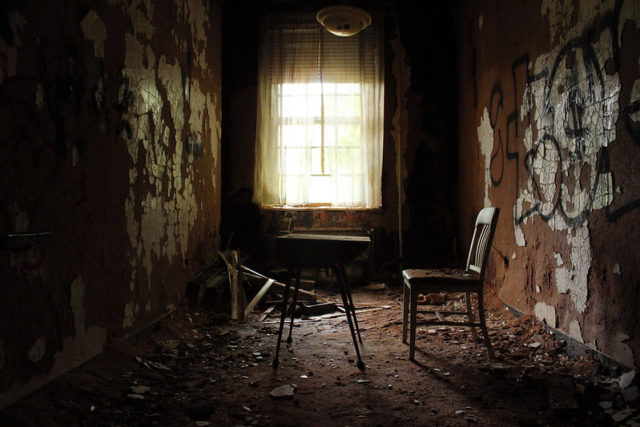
(299, 250)
(468, 281)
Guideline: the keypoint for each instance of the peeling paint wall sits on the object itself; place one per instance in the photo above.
(554, 142)
(110, 125)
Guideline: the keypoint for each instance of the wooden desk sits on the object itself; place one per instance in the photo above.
(299, 250)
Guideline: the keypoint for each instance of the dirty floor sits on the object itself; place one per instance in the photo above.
(195, 368)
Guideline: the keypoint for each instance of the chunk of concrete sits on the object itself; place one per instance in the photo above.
(283, 392)
(626, 379)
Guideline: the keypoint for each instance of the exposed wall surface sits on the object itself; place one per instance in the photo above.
(110, 140)
(550, 133)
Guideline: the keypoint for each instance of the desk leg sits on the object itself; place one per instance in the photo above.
(285, 304)
(295, 300)
(345, 301)
(352, 307)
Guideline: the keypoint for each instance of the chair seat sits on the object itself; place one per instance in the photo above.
(442, 277)
(468, 281)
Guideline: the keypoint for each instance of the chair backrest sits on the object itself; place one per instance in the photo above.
(483, 233)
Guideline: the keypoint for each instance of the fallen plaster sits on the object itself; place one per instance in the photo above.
(94, 29)
(616, 269)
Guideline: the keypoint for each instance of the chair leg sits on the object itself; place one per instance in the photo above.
(474, 334)
(483, 323)
(295, 301)
(405, 311)
(413, 296)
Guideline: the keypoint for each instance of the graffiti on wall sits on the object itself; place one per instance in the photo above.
(569, 100)
(560, 134)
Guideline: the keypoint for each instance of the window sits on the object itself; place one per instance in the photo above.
(320, 116)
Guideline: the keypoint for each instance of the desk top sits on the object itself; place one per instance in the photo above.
(320, 249)
(325, 237)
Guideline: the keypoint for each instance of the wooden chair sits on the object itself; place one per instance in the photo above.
(468, 281)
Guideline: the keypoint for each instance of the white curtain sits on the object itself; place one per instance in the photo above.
(320, 115)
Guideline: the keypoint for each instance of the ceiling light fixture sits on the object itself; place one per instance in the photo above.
(343, 21)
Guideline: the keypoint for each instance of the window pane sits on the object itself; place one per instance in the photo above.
(316, 161)
(348, 88)
(330, 105)
(294, 161)
(314, 88)
(315, 135)
(345, 189)
(293, 188)
(293, 89)
(294, 106)
(293, 136)
(329, 161)
(349, 161)
(313, 106)
(349, 105)
(329, 136)
(349, 136)
(320, 191)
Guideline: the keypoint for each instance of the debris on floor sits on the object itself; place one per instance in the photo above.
(197, 367)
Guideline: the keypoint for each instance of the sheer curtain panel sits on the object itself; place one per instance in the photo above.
(320, 115)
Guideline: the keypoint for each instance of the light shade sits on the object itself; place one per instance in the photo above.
(343, 21)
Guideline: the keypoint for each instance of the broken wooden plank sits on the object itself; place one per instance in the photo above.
(267, 312)
(331, 316)
(233, 269)
(301, 292)
(277, 284)
(258, 296)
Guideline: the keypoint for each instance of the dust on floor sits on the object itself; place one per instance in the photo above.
(196, 368)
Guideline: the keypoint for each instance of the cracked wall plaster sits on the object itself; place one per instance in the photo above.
(545, 313)
(9, 48)
(552, 102)
(621, 350)
(575, 331)
(485, 136)
(600, 111)
(549, 127)
(115, 119)
(84, 344)
(163, 151)
(37, 350)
